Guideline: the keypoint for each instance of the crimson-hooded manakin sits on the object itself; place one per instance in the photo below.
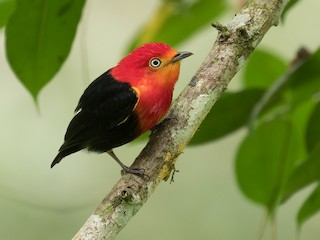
(124, 102)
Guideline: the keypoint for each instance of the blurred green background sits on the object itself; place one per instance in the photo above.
(204, 202)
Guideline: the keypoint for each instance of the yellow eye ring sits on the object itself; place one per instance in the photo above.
(155, 62)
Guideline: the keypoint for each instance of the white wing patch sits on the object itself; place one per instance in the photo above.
(78, 111)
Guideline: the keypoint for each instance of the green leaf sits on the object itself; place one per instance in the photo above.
(39, 36)
(264, 160)
(313, 128)
(300, 116)
(144, 137)
(303, 175)
(305, 81)
(262, 69)
(290, 4)
(175, 21)
(292, 88)
(6, 9)
(310, 207)
(229, 114)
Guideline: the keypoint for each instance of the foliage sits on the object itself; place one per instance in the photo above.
(290, 4)
(224, 118)
(273, 161)
(47, 29)
(278, 102)
(177, 20)
(6, 9)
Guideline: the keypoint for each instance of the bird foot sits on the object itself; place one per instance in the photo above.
(136, 171)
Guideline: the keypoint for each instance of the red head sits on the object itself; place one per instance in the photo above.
(152, 70)
(156, 62)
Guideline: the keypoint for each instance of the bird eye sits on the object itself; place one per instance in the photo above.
(155, 62)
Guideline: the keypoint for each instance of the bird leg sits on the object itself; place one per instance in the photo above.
(125, 169)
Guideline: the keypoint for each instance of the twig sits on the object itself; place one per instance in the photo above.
(228, 54)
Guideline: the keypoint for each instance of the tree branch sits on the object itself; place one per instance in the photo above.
(234, 44)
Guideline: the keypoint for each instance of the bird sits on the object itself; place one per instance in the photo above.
(124, 102)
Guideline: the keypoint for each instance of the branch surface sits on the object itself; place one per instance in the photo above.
(235, 42)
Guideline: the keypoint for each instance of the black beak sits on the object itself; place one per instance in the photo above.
(181, 55)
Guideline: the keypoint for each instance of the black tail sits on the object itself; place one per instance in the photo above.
(65, 153)
(57, 159)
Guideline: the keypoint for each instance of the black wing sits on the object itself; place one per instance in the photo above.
(105, 101)
(104, 105)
